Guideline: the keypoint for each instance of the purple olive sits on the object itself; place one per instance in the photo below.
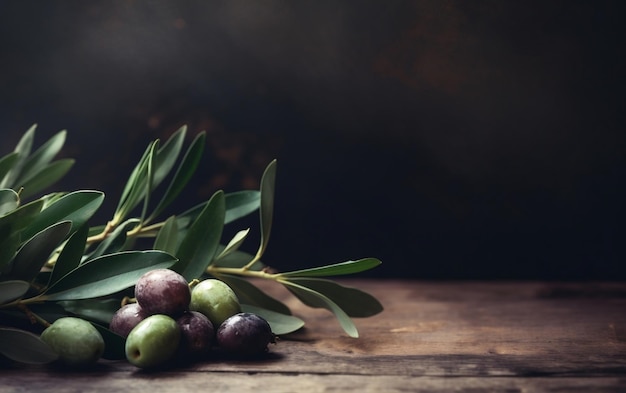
(163, 291)
(245, 335)
(126, 318)
(197, 333)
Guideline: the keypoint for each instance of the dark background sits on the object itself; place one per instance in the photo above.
(450, 139)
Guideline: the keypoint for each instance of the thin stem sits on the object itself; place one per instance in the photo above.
(141, 230)
(102, 235)
(32, 317)
(241, 271)
(23, 302)
(254, 260)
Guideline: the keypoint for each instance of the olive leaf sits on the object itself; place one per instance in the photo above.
(107, 274)
(167, 155)
(234, 243)
(114, 242)
(137, 185)
(201, 241)
(6, 163)
(167, 238)
(9, 200)
(77, 207)
(241, 203)
(11, 226)
(353, 301)
(114, 344)
(9, 243)
(70, 256)
(23, 149)
(316, 299)
(279, 323)
(268, 182)
(237, 259)
(48, 311)
(183, 174)
(248, 293)
(150, 181)
(25, 347)
(42, 156)
(12, 289)
(20, 218)
(34, 172)
(131, 194)
(342, 268)
(38, 171)
(238, 204)
(35, 253)
(95, 310)
(46, 177)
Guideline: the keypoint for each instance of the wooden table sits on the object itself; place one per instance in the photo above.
(448, 336)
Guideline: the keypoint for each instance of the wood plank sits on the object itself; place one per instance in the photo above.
(286, 383)
(501, 336)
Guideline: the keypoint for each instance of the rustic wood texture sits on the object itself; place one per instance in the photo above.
(442, 337)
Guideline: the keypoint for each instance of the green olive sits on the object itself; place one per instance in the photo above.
(76, 341)
(215, 299)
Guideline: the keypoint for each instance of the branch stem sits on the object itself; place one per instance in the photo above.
(241, 271)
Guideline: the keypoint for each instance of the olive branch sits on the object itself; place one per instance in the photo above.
(54, 263)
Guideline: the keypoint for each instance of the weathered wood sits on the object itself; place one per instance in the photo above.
(496, 336)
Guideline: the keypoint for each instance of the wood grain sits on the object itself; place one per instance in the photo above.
(442, 336)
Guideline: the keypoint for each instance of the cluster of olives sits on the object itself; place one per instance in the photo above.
(169, 322)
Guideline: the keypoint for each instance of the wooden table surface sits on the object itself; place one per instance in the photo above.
(432, 336)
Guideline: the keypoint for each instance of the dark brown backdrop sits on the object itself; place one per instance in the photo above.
(451, 139)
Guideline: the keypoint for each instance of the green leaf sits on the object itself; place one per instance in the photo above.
(142, 181)
(315, 299)
(7, 162)
(25, 347)
(48, 311)
(183, 174)
(20, 218)
(337, 269)
(147, 192)
(9, 201)
(241, 203)
(114, 242)
(168, 154)
(236, 259)
(71, 255)
(23, 149)
(114, 344)
(46, 177)
(167, 238)
(268, 182)
(248, 293)
(107, 274)
(8, 247)
(35, 253)
(353, 301)
(12, 289)
(36, 162)
(50, 199)
(237, 205)
(125, 204)
(186, 218)
(234, 243)
(95, 310)
(77, 207)
(11, 226)
(200, 243)
(280, 323)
